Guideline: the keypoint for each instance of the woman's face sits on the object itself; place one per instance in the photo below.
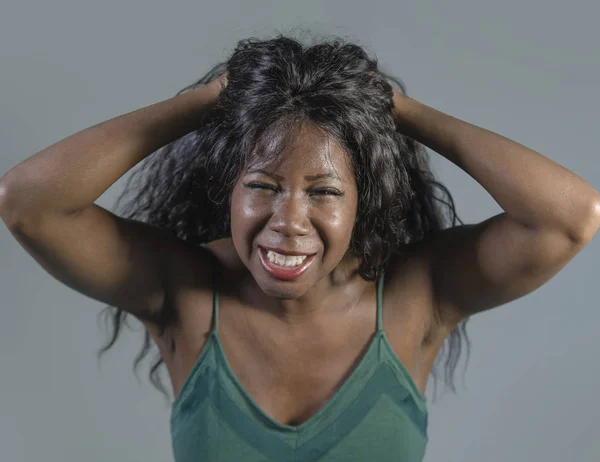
(292, 220)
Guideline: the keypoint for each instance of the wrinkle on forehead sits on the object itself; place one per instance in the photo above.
(279, 140)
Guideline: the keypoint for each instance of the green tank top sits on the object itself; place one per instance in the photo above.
(378, 414)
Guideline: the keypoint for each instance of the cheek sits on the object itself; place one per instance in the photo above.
(247, 214)
(248, 205)
(339, 222)
(238, 221)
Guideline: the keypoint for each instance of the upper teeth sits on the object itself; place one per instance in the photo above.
(285, 260)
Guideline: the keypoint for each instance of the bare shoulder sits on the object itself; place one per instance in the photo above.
(409, 308)
(192, 289)
(408, 294)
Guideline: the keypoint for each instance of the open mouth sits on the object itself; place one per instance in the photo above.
(286, 267)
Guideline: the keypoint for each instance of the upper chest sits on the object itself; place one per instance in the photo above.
(292, 377)
(292, 373)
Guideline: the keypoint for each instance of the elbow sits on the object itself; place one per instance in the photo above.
(590, 225)
(3, 199)
(7, 209)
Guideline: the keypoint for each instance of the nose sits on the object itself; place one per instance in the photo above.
(289, 217)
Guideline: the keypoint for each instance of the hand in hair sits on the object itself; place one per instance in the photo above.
(398, 98)
(219, 84)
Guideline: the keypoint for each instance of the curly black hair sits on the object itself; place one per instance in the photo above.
(273, 86)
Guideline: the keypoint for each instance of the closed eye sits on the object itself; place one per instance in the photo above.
(257, 185)
(326, 192)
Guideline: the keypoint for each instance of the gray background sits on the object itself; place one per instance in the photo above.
(527, 69)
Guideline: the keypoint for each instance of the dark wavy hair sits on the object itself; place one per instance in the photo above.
(274, 86)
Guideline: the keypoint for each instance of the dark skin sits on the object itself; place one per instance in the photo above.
(292, 345)
(307, 335)
(306, 202)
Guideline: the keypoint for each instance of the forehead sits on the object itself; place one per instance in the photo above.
(305, 149)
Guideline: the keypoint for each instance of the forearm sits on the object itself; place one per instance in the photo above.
(74, 172)
(531, 188)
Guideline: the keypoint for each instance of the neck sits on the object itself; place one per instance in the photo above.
(338, 293)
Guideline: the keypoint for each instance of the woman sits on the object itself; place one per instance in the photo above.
(286, 253)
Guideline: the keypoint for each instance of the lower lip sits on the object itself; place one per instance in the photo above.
(281, 272)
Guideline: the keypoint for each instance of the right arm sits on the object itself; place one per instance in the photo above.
(47, 202)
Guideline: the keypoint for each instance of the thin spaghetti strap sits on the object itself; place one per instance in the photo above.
(215, 287)
(380, 302)
(216, 280)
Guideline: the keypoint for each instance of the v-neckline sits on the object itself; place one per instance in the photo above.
(325, 408)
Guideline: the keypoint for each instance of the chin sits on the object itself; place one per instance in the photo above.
(283, 288)
(278, 289)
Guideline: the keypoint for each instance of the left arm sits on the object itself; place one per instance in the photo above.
(549, 215)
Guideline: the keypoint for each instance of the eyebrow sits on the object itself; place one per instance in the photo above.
(319, 176)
